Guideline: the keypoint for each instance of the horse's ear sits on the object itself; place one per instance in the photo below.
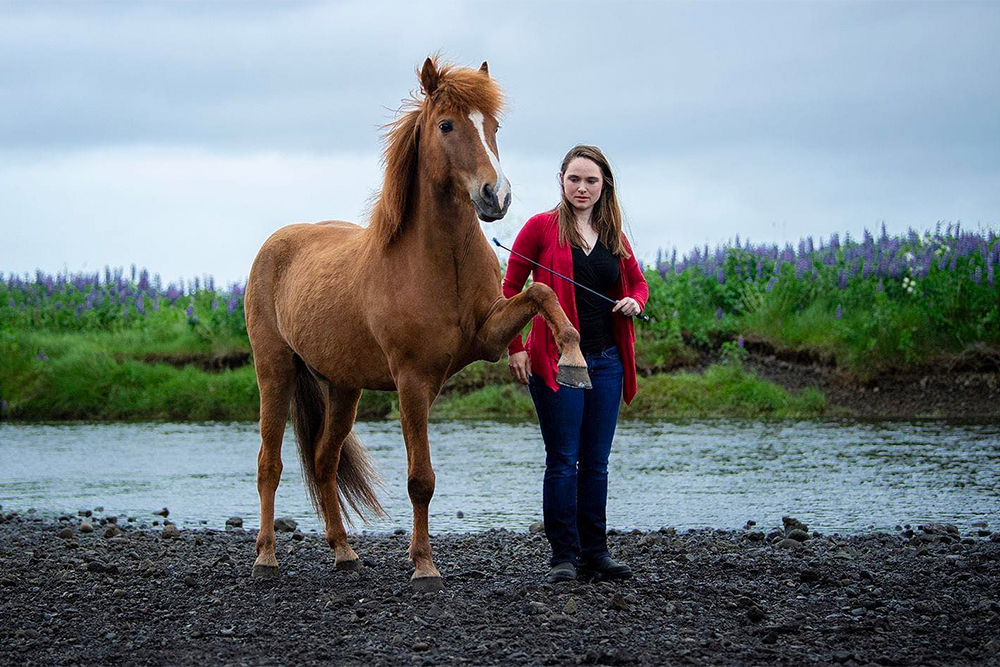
(429, 77)
(485, 68)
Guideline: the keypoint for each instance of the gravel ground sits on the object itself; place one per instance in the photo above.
(122, 595)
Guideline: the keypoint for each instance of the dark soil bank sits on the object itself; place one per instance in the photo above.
(141, 597)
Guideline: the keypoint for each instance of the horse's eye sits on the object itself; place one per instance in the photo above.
(498, 128)
(446, 126)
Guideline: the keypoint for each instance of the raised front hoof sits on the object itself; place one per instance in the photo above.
(353, 565)
(427, 584)
(574, 376)
(264, 572)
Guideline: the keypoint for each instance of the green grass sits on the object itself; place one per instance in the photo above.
(723, 390)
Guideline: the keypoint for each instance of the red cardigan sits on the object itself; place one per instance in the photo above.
(539, 240)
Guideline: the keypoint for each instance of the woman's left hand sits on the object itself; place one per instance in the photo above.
(627, 306)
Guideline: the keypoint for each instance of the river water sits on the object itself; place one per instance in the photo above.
(837, 476)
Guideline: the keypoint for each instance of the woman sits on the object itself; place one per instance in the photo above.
(582, 238)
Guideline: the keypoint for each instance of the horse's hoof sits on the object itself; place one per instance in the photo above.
(264, 572)
(353, 565)
(573, 376)
(427, 584)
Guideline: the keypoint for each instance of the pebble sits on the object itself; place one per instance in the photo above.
(571, 606)
(788, 543)
(618, 602)
(285, 524)
(170, 531)
(298, 536)
(420, 647)
(460, 514)
(798, 535)
(162, 512)
(234, 522)
(537, 527)
(112, 531)
(66, 533)
(86, 527)
(535, 607)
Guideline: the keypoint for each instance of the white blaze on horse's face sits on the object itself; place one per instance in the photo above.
(500, 188)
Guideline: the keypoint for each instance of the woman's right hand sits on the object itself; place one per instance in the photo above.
(519, 366)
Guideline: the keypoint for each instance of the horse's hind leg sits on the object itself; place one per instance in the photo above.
(341, 410)
(275, 380)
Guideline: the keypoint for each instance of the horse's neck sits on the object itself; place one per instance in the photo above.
(441, 231)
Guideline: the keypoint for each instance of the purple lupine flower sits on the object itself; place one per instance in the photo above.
(215, 304)
(233, 304)
(739, 341)
(42, 356)
(720, 275)
(189, 311)
(156, 302)
(677, 314)
(879, 288)
(10, 304)
(842, 279)
(839, 312)
(140, 306)
(770, 284)
(718, 313)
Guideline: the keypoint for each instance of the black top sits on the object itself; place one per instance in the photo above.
(599, 271)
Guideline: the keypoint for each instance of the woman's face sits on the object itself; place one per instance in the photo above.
(582, 182)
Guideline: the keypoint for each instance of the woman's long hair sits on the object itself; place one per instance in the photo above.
(606, 217)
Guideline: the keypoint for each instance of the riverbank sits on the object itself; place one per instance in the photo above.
(122, 595)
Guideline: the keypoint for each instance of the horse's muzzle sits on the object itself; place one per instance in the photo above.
(488, 207)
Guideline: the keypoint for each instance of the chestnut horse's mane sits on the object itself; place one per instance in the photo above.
(458, 88)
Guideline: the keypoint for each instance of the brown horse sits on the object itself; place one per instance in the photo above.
(402, 304)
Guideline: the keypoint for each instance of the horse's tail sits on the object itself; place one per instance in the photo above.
(357, 478)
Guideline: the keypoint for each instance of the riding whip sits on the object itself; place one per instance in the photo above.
(643, 316)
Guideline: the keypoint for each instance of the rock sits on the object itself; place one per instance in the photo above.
(749, 524)
(775, 535)
(234, 522)
(99, 508)
(755, 536)
(980, 524)
(162, 512)
(85, 513)
(399, 531)
(190, 581)
(285, 524)
(808, 575)
(170, 531)
(571, 606)
(460, 514)
(420, 647)
(537, 527)
(618, 602)
(755, 614)
(112, 531)
(650, 540)
(66, 533)
(533, 607)
(791, 523)
(98, 566)
(298, 536)
(798, 535)
(788, 543)
(86, 527)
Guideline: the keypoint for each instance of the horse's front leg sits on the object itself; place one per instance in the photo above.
(415, 398)
(508, 317)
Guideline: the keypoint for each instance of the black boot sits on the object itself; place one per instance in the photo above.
(604, 569)
(561, 572)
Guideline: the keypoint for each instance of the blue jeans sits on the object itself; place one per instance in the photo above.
(578, 426)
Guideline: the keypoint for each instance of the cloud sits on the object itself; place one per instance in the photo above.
(177, 135)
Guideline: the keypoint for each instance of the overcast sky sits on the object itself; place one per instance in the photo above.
(178, 136)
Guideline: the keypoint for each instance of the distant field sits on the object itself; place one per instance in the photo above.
(122, 345)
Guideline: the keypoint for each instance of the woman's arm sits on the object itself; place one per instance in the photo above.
(639, 288)
(518, 271)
